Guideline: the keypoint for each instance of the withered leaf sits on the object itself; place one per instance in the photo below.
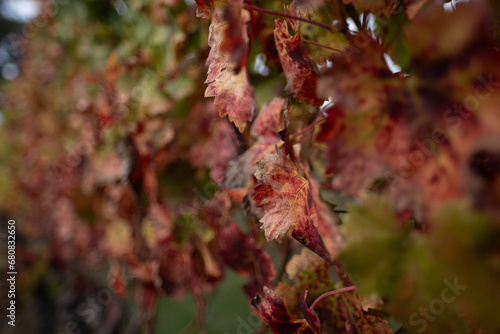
(274, 313)
(226, 78)
(355, 319)
(299, 70)
(286, 198)
(265, 128)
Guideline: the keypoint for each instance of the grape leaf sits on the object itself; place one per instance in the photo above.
(301, 76)
(355, 319)
(354, 165)
(267, 123)
(240, 253)
(211, 132)
(274, 313)
(309, 314)
(340, 313)
(227, 81)
(265, 128)
(351, 81)
(235, 249)
(287, 201)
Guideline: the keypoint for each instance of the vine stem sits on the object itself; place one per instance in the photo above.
(331, 293)
(298, 18)
(307, 128)
(320, 45)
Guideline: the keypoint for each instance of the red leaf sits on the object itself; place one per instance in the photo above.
(274, 313)
(211, 132)
(286, 198)
(240, 253)
(204, 8)
(356, 320)
(267, 123)
(299, 70)
(235, 41)
(227, 79)
(310, 315)
(360, 81)
(265, 127)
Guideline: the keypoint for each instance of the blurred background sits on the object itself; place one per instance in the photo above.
(56, 295)
(13, 14)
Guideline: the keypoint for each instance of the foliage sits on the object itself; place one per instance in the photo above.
(159, 144)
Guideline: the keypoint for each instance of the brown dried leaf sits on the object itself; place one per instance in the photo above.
(227, 79)
(286, 198)
(299, 70)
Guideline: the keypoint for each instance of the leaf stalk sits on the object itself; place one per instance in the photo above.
(331, 293)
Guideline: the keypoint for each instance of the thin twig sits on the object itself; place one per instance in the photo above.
(307, 128)
(298, 18)
(320, 45)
